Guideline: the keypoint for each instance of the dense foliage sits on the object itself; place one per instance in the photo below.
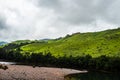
(98, 50)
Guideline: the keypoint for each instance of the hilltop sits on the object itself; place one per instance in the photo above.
(78, 44)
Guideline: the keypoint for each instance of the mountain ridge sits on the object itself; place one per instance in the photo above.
(2, 43)
(78, 44)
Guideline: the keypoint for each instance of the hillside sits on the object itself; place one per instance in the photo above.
(92, 50)
(78, 44)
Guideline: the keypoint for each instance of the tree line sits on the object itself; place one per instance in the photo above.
(47, 59)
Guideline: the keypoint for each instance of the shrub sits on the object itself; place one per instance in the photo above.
(3, 67)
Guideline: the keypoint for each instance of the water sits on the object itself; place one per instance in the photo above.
(7, 62)
(94, 76)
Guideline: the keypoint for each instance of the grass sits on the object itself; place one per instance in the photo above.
(79, 44)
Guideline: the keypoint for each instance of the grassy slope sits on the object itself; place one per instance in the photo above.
(96, 44)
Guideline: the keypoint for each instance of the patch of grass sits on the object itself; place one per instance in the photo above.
(78, 44)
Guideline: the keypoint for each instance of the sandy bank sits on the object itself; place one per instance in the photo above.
(21, 72)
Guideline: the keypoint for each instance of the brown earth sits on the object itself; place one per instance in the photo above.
(21, 72)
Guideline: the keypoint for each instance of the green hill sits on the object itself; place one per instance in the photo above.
(78, 44)
(92, 50)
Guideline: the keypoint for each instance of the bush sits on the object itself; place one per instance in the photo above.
(3, 67)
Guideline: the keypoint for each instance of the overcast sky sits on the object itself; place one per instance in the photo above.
(37, 19)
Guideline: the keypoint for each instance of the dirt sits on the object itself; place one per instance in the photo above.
(22, 72)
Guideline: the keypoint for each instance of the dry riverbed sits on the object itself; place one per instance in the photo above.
(21, 72)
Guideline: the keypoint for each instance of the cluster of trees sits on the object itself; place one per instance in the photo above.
(87, 62)
(78, 62)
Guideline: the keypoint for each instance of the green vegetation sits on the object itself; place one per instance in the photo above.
(78, 44)
(97, 50)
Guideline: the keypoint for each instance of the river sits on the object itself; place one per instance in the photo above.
(7, 62)
(94, 76)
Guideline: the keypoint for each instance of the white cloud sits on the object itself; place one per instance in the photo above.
(36, 19)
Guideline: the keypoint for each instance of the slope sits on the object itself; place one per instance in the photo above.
(80, 44)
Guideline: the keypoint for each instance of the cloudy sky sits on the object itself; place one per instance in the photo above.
(37, 19)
